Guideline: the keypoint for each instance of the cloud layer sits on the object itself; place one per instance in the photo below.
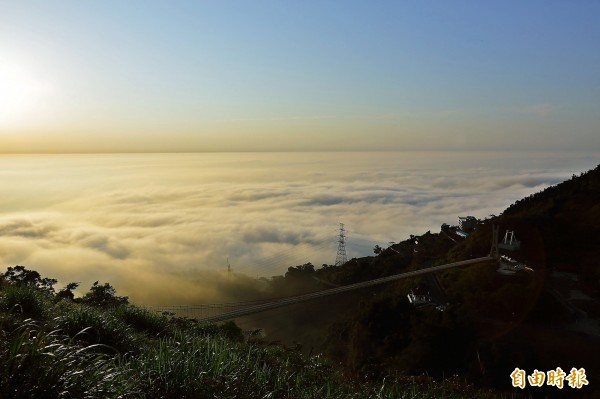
(161, 228)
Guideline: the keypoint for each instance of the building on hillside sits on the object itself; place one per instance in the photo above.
(467, 223)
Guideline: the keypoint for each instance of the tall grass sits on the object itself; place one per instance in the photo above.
(39, 364)
(73, 350)
(27, 301)
(96, 326)
(187, 366)
(142, 320)
(191, 366)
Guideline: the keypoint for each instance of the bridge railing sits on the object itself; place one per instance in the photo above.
(227, 311)
(206, 310)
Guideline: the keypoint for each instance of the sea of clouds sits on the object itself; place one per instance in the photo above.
(162, 228)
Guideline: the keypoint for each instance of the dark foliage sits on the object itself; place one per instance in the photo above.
(22, 277)
(67, 292)
(103, 295)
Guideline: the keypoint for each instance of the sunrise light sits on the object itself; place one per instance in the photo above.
(22, 94)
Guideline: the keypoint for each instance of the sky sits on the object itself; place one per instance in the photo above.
(156, 76)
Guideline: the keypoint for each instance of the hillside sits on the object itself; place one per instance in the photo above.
(565, 220)
(491, 323)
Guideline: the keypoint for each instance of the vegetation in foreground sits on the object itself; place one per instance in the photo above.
(99, 346)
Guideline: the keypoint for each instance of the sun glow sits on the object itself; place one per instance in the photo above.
(21, 94)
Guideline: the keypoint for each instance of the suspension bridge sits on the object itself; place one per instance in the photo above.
(226, 311)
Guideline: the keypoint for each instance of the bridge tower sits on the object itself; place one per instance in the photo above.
(340, 258)
(494, 253)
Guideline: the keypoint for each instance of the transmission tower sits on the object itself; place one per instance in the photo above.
(340, 258)
(494, 251)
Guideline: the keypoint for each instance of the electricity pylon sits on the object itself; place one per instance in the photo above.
(340, 258)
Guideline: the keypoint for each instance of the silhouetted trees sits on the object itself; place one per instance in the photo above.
(20, 276)
(103, 295)
(99, 295)
(67, 292)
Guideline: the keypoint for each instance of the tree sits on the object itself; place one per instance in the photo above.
(67, 292)
(20, 276)
(306, 269)
(377, 250)
(103, 295)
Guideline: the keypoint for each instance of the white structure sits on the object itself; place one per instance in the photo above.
(462, 233)
(510, 242)
(419, 300)
(509, 266)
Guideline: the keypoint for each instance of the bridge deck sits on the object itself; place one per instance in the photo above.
(261, 307)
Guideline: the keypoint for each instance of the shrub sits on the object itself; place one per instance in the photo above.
(103, 295)
(24, 300)
(231, 331)
(142, 320)
(95, 326)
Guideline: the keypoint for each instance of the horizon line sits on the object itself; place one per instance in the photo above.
(293, 151)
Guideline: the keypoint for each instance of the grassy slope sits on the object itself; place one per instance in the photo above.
(53, 348)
